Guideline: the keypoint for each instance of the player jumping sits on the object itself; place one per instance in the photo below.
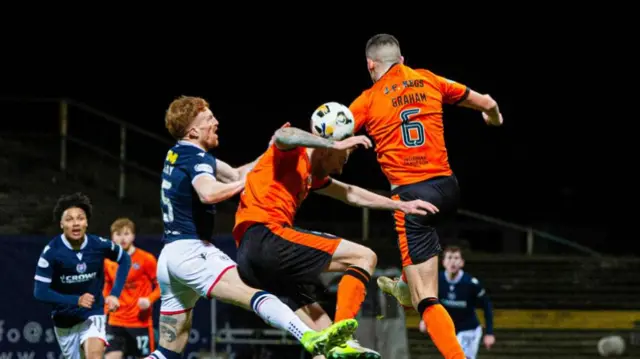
(274, 255)
(130, 328)
(461, 293)
(70, 275)
(190, 266)
(402, 112)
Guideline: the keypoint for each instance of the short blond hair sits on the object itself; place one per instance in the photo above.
(122, 223)
(181, 113)
(384, 48)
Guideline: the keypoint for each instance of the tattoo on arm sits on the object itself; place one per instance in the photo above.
(292, 137)
(168, 328)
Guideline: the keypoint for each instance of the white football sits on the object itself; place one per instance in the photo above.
(333, 121)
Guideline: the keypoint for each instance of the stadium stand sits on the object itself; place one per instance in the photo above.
(552, 307)
(532, 344)
(560, 283)
(32, 182)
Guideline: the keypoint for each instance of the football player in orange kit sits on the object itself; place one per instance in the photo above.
(402, 112)
(130, 328)
(285, 260)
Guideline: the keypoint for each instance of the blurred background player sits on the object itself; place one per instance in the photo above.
(285, 260)
(70, 275)
(130, 328)
(190, 266)
(461, 294)
(402, 112)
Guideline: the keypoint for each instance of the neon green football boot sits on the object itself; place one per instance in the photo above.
(318, 343)
(351, 350)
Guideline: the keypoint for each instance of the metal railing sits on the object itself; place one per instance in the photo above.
(529, 232)
(125, 127)
(64, 104)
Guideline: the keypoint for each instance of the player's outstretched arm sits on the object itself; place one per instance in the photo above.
(290, 137)
(486, 104)
(211, 191)
(360, 197)
(227, 174)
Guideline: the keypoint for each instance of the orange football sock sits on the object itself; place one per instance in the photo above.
(440, 328)
(351, 292)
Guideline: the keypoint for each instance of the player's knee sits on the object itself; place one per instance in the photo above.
(94, 353)
(367, 259)
(114, 355)
(372, 258)
(234, 292)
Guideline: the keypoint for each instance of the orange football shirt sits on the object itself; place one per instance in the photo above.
(275, 188)
(141, 283)
(402, 112)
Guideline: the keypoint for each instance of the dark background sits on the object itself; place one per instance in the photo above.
(553, 164)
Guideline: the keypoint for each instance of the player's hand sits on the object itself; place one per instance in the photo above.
(489, 340)
(86, 300)
(422, 326)
(273, 138)
(352, 142)
(492, 120)
(418, 207)
(144, 303)
(112, 303)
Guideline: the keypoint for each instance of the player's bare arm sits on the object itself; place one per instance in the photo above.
(486, 104)
(291, 137)
(227, 174)
(211, 191)
(359, 197)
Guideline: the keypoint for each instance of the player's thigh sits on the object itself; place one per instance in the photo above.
(69, 341)
(231, 289)
(174, 330)
(314, 316)
(198, 266)
(284, 261)
(418, 240)
(140, 341)
(116, 337)
(271, 255)
(349, 254)
(175, 296)
(93, 348)
(306, 254)
(93, 336)
(470, 341)
(422, 280)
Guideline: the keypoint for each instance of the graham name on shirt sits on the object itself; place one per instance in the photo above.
(408, 99)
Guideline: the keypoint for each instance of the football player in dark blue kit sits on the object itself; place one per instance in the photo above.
(190, 266)
(461, 293)
(70, 275)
